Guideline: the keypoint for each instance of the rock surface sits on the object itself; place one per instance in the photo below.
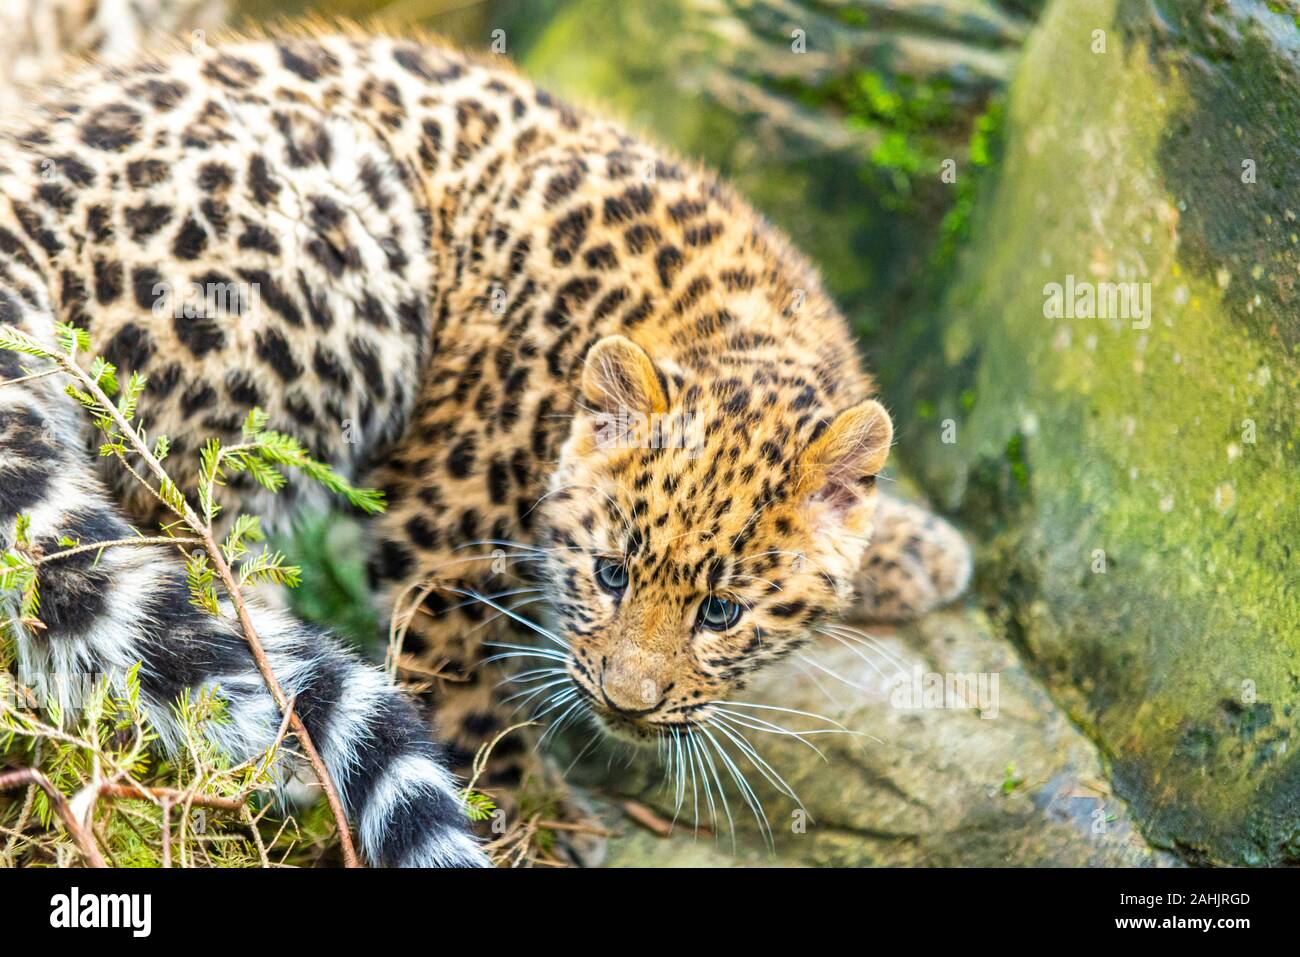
(833, 117)
(1012, 785)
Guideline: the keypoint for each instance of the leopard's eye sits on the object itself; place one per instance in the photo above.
(611, 575)
(718, 614)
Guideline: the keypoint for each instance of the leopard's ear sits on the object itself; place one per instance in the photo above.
(620, 378)
(843, 461)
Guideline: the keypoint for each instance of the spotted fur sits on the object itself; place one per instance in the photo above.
(449, 284)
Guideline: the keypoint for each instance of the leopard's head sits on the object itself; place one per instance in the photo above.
(698, 526)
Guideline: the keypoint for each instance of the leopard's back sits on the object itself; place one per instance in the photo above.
(369, 237)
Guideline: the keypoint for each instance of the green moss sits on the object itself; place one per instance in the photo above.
(912, 121)
(954, 229)
(1016, 459)
(334, 592)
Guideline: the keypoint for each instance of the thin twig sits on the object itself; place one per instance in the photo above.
(25, 813)
(396, 631)
(28, 378)
(84, 840)
(647, 818)
(576, 828)
(135, 792)
(251, 821)
(99, 546)
(485, 752)
(166, 832)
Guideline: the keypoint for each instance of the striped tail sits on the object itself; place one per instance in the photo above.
(104, 612)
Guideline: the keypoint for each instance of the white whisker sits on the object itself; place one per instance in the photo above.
(763, 767)
(742, 783)
(834, 674)
(845, 635)
(707, 756)
(545, 632)
(533, 692)
(773, 707)
(758, 724)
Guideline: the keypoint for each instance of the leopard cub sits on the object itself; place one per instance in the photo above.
(622, 431)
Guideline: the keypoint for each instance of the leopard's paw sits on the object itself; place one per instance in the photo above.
(915, 563)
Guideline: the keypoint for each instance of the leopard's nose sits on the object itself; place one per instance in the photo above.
(630, 692)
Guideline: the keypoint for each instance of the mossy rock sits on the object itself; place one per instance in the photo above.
(1134, 480)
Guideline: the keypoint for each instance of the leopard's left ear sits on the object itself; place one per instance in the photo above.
(619, 378)
(841, 463)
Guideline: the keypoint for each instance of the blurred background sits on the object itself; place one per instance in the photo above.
(1130, 485)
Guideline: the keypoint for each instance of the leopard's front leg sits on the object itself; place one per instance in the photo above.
(914, 563)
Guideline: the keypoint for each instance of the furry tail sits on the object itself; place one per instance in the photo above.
(105, 611)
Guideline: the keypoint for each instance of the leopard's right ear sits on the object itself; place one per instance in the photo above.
(846, 457)
(619, 378)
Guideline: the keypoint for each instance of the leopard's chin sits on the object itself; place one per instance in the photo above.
(643, 733)
(623, 729)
